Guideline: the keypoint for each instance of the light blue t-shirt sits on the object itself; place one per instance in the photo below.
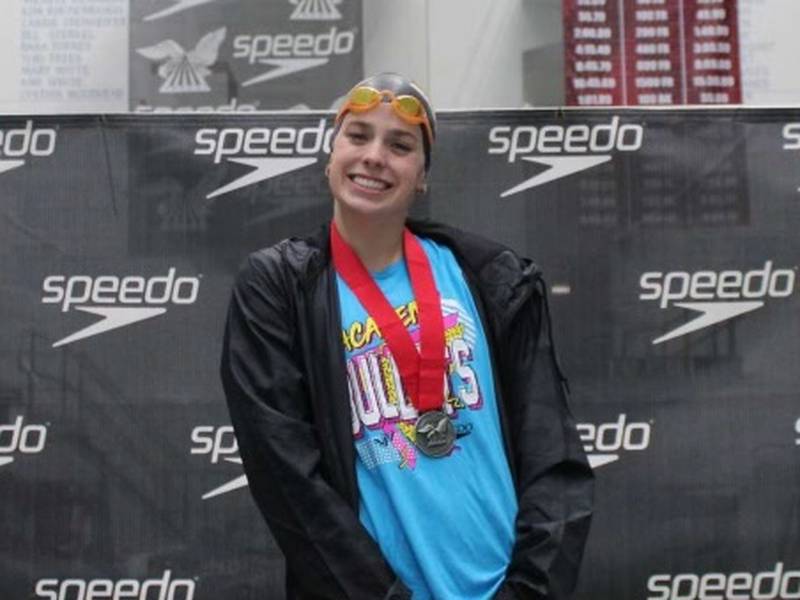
(445, 525)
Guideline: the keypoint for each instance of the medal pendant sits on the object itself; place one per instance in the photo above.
(435, 435)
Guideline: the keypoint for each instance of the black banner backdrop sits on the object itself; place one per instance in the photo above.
(669, 240)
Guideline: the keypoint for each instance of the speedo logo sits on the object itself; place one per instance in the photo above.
(604, 443)
(17, 144)
(776, 584)
(176, 7)
(564, 150)
(315, 10)
(164, 588)
(218, 443)
(185, 72)
(24, 439)
(791, 137)
(232, 106)
(717, 296)
(268, 152)
(797, 431)
(287, 53)
(120, 301)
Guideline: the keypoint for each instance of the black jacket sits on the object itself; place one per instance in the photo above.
(283, 370)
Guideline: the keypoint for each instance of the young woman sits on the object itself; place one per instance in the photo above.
(399, 408)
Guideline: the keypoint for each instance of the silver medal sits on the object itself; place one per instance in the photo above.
(435, 435)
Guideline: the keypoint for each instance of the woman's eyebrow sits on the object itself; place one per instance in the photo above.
(395, 133)
(402, 133)
(358, 123)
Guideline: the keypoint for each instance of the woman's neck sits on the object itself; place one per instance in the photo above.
(377, 242)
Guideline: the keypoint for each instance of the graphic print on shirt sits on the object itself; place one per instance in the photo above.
(383, 417)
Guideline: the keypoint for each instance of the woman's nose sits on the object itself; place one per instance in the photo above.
(374, 153)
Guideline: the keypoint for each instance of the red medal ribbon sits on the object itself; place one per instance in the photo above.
(421, 372)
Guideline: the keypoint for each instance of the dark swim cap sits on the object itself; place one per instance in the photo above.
(400, 86)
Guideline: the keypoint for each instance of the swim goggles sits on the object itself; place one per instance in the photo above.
(407, 107)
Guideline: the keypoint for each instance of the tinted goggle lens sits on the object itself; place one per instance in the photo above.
(363, 97)
(408, 107)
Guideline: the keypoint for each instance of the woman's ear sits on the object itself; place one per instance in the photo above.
(422, 183)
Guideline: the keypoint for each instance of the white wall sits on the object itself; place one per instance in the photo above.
(466, 53)
(9, 53)
(395, 38)
(770, 48)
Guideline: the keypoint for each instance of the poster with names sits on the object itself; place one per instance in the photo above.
(109, 56)
(64, 56)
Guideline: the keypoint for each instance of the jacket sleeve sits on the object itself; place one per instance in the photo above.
(328, 552)
(554, 480)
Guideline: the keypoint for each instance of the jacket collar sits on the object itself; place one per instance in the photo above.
(505, 279)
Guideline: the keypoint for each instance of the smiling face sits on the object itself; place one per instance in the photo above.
(377, 164)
